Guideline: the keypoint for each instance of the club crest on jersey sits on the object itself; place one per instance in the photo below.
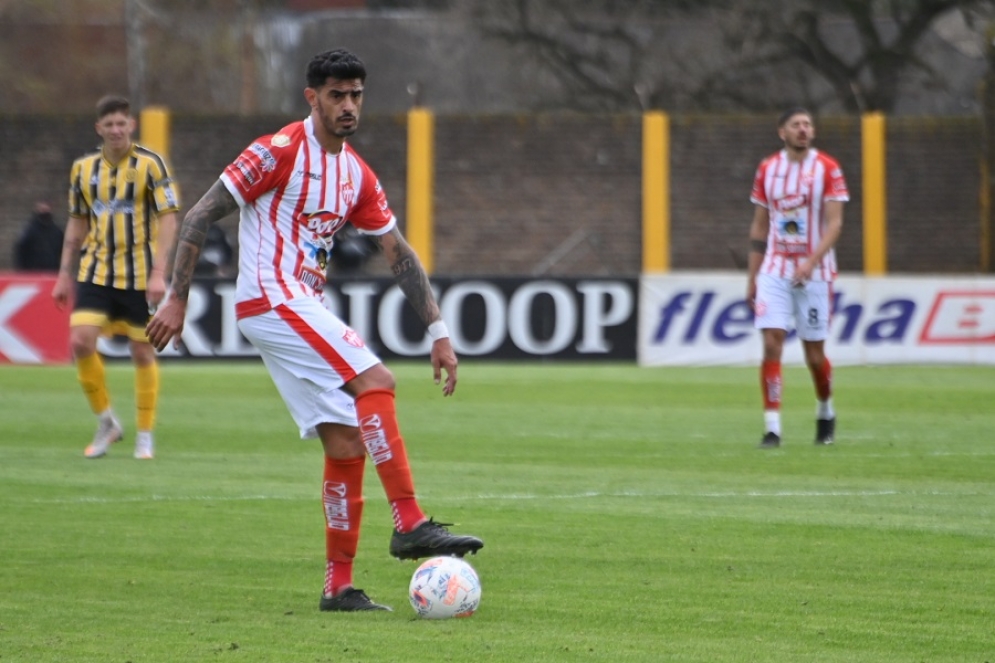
(352, 338)
(280, 140)
(348, 192)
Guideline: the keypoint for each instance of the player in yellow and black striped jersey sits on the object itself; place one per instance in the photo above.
(123, 208)
(121, 203)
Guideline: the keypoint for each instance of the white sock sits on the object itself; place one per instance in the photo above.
(772, 419)
(824, 409)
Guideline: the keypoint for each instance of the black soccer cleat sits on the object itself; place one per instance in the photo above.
(770, 441)
(825, 429)
(350, 600)
(432, 539)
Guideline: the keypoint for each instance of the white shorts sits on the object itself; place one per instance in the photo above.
(781, 305)
(310, 354)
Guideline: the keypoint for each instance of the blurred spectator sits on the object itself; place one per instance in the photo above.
(351, 250)
(216, 257)
(39, 247)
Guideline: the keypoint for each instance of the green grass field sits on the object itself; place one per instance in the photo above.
(627, 514)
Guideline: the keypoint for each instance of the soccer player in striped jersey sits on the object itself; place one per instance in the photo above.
(294, 189)
(798, 196)
(122, 226)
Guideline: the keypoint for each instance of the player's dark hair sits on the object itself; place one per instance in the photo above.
(112, 103)
(339, 64)
(790, 113)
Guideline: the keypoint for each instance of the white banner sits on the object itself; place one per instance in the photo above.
(701, 318)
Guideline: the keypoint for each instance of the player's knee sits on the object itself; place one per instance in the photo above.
(81, 345)
(376, 377)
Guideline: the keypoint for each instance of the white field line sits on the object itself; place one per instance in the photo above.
(517, 496)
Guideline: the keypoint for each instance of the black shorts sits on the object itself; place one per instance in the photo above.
(110, 308)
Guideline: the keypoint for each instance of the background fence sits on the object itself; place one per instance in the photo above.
(560, 194)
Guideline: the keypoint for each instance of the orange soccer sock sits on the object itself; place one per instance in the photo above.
(770, 382)
(342, 499)
(822, 376)
(146, 395)
(385, 446)
(91, 375)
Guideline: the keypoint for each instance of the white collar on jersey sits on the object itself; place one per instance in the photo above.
(309, 131)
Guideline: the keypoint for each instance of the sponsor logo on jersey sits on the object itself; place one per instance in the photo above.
(113, 207)
(790, 202)
(322, 223)
(266, 159)
(280, 140)
(311, 279)
(250, 174)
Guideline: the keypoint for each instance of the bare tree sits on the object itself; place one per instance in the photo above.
(855, 55)
(598, 55)
(874, 48)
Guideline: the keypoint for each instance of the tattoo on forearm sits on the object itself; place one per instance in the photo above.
(214, 205)
(411, 277)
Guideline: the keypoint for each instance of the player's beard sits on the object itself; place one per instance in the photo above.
(800, 144)
(331, 125)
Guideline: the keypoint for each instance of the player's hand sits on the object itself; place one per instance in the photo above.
(61, 291)
(155, 290)
(444, 358)
(803, 272)
(751, 295)
(167, 324)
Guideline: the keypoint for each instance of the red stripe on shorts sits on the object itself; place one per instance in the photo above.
(317, 343)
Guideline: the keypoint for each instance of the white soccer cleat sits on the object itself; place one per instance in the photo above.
(144, 447)
(108, 432)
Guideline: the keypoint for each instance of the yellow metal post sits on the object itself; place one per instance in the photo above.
(153, 125)
(875, 195)
(656, 192)
(985, 204)
(421, 184)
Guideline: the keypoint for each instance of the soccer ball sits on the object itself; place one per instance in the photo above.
(444, 587)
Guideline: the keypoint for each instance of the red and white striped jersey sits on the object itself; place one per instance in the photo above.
(794, 194)
(293, 197)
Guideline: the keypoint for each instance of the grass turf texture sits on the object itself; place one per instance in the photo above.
(627, 514)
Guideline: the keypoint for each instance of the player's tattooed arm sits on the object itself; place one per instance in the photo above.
(214, 205)
(409, 274)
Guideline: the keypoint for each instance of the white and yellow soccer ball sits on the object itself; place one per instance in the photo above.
(444, 587)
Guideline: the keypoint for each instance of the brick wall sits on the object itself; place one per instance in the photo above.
(560, 194)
